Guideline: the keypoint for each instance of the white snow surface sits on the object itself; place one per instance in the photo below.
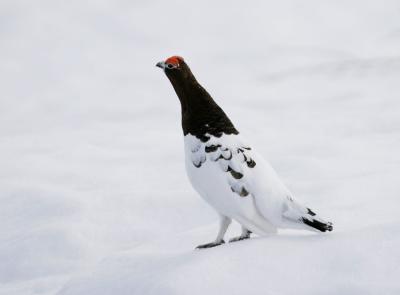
(94, 196)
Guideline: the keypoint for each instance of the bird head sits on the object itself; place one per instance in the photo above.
(176, 69)
(172, 63)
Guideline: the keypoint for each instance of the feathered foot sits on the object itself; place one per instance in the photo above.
(210, 245)
(244, 236)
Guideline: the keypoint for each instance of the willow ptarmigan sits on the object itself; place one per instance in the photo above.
(227, 173)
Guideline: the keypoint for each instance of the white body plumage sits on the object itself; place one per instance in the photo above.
(240, 185)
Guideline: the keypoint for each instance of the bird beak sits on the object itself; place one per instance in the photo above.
(161, 64)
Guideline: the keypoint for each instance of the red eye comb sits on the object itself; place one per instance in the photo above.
(175, 60)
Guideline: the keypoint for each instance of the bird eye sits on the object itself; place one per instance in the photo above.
(170, 66)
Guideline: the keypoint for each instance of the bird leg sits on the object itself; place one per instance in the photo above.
(245, 235)
(223, 226)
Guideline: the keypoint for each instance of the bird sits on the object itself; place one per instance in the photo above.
(227, 172)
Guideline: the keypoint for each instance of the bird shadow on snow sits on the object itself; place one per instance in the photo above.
(158, 266)
(169, 265)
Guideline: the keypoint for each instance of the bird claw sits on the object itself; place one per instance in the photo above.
(210, 245)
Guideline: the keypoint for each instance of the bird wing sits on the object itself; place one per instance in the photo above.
(232, 158)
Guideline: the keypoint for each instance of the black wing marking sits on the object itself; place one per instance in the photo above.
(230, 160)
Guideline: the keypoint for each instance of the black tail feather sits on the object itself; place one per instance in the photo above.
(309, 211)
(321, 226)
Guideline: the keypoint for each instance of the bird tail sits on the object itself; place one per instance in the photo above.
(311, 219)
(299, 216)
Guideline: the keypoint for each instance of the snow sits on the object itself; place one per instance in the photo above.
(94, 195)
